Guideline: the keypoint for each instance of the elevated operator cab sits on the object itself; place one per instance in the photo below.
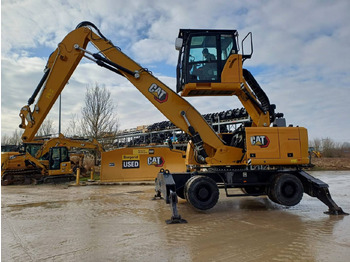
(208, 63)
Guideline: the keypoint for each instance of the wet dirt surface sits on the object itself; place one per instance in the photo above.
(122, 223)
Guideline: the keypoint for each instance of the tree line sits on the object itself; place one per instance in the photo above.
(329, 148)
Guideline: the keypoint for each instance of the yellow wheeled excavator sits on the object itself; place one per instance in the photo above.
(262, 157)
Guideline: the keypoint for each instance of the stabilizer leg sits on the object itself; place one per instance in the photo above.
(317, 188)
(175, 218)
(165, 185)
(324, 195)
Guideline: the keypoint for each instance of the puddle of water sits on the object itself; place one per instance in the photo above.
(122, 223)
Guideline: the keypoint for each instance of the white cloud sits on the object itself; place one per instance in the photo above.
(301, 54)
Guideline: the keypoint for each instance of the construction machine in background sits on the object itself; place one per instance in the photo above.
(262, 157)
(44, 161)
(314, 153)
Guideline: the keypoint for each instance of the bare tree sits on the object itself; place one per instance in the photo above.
(46, 128)
(5, 139)
(14, 139)
(74, 127)
(317, 144)
(328, 146)
(99, 118)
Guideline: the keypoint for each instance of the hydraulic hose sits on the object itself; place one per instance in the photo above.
(89, 24)
(37, 89)
(260, 94)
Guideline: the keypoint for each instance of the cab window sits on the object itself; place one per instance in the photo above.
(58, 155)
(203, 59)
(227, 45)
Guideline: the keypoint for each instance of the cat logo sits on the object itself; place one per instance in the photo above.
(159, 94)
(262, 141)
(157, 161)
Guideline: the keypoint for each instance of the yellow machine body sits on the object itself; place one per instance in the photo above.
(277, 145)
(139, 163)
(5, 158)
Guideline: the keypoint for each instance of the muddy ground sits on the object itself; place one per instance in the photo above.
(331, 163)
(122, 223)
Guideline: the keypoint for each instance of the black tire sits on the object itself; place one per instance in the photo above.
(271, 196)
(202, 192)
(186, 187)
(270, 188)
(286, 189)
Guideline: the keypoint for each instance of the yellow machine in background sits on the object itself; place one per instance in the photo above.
(47, 162)
(314, 152)
(139, 163)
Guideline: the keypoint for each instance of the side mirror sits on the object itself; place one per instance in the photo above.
(178, 43)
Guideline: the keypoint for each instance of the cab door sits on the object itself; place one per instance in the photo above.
(59, 162)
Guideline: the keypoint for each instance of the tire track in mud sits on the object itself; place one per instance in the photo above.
(20, 250)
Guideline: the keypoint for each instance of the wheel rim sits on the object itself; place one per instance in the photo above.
(288, 190)
(203, 194)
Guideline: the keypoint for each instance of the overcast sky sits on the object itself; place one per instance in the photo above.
(301, 55)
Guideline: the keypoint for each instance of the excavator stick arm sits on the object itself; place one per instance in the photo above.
(59, 68)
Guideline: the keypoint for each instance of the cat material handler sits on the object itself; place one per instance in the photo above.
(263, 157)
